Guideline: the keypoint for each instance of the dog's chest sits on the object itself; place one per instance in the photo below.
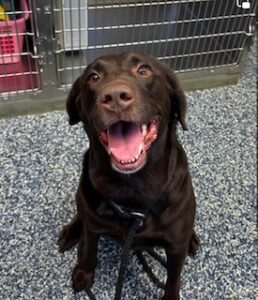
(145, 189)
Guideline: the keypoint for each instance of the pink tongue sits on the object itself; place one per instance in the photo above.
(124, 140)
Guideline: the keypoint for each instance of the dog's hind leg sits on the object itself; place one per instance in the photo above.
(70, 234)
(194, 244)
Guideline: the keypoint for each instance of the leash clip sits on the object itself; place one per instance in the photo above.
(139, 216)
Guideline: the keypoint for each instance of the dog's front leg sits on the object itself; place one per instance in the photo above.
(83, 273)
(71, 234)
(175, 261)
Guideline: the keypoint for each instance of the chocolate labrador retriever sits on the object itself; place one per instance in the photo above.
(130, 105)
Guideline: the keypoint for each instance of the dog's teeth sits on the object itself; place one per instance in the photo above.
(140, 149)
(124, 162)
(144, 130)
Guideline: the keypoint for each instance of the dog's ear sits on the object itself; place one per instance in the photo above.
(178, 100)
(73, 103)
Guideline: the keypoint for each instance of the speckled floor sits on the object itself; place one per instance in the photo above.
(40, 162)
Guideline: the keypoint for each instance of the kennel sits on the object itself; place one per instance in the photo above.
(19, 71)
(204, 41)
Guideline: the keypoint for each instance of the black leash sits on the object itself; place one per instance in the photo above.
(158, 258)
(137, 223)
(148, 269)
(125, 257)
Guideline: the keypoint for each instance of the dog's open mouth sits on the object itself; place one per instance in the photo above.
(127, 144)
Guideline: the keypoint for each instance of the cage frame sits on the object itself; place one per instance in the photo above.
(52, 97)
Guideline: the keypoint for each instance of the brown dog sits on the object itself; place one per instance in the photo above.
(130, 105)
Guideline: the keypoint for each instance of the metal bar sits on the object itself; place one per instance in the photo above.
(238, 55)
(135, 25)
(71, 34)
(96, 22)
(188, 61)
(46, 42)
(187, 35)
(148, 21)
(22, 53)
(223, 39)
(213, 30)
(63, 87)
(119, 12)
(63, 61)
(181, 31)
(28, 57)
(127, 14)
(167, 57)
(145, 3)
(57, 16)
(5, 66)
(18, 74)
(35, 31)
(220, 30)
(205, 68)
(80, 38)
(18, 42)
(142, 13)
(233, 39)
(208, 27)
(155, 29)
(18, 92)
(104, 46)
(199, 54)
(158, 23)
(180, 35)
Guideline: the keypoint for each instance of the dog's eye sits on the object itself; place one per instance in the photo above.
(93, 77)
(144, 70)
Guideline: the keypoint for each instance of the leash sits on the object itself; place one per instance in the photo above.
(137, 221)
(125, 256)
(148, 270)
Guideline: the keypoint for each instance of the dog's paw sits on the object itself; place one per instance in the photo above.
(81, 280)
(68, 238)
(194, 244)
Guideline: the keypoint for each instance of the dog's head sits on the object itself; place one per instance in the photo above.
(126, 102)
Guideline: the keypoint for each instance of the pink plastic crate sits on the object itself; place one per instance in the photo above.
(12, 36)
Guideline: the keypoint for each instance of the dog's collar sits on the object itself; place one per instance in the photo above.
(126, 213)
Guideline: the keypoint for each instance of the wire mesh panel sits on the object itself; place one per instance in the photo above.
(188, 35)
(45, 45)
(19, 70)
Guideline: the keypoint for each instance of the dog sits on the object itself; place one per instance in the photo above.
(130, 106)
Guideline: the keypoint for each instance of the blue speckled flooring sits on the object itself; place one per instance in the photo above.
(40, 161)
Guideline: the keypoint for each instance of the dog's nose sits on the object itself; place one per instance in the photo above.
(117, 98)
